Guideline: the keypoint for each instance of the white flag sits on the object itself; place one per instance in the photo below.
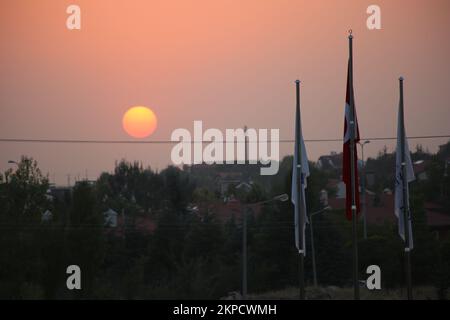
(400, 202)
(303, 180)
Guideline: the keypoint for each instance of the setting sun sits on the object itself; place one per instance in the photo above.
(139, 122)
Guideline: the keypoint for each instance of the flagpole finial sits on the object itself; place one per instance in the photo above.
(401, 78)
(297, 81)
(350, 34)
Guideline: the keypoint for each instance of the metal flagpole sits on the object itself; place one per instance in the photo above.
(244, 230)
(244, 254)
(363, 191)
(313, 250)
(352, 172)
(299, 196)
(405, 196)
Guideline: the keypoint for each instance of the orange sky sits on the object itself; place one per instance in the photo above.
(228, 63)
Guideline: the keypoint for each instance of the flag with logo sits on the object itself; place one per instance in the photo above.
(300, 208)
(400, 181)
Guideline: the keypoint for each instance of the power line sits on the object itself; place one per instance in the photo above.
(76, 141)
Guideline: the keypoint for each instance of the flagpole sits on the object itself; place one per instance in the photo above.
(352, 172)
(299, 195)
(405, 196)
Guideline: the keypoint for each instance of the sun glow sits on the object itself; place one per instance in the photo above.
(139, 122)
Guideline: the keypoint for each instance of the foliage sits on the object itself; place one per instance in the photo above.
(192, 253)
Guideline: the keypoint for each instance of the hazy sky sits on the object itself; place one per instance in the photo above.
(225, 62)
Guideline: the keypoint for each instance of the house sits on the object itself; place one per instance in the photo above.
(338, 186)
(323, 198)
(224, 211)
(330, 162)
(380, 209)
(119, 224)
(420, 170)
(438, 219)
(47, 216)
(226, 179)
(110, 218)
(60, 194)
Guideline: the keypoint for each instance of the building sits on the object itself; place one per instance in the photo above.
(330, 162)
(229, 209)
(380, 209)
(227, 179)
(420, 170)
(110, 218)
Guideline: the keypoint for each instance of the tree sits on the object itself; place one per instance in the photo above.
(442, 277)
(24, 192)
(178, 188)
(85, 241)
(384, 249)
(23, 200)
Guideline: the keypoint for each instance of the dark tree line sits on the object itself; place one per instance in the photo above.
(191, 253)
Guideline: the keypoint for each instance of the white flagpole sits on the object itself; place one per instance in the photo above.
(299, 195)
(353, 174)
(405, 200)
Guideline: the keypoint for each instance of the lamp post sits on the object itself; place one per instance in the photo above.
(283, 197)
(363, 188)
(313, 253)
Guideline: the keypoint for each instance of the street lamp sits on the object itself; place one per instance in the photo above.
(283, 197)
(313, 253)
(363, 187)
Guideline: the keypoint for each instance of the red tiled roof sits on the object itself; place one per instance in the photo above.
(436, 217)
(225, 210)
(375, 215)
(384, 212)
(145, 224)
(142, 224)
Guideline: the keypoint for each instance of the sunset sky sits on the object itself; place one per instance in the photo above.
(228, 63)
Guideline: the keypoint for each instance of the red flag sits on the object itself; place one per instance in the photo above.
(346, 164)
